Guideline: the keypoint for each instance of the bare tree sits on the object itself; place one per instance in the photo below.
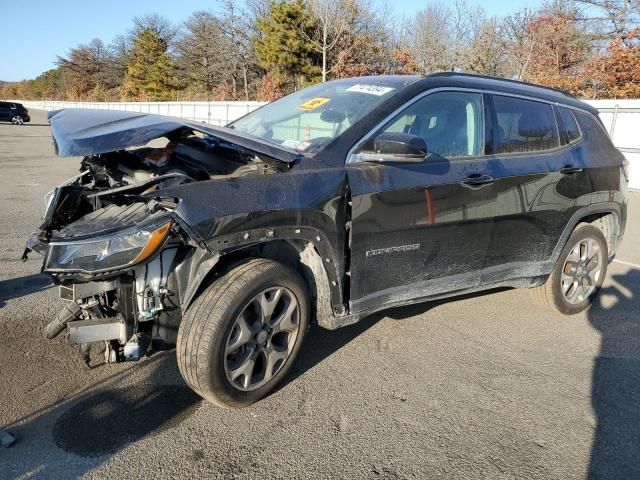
(91, 69)
(430, 39)
(519, 42)
(237, 27)
(332, 24)
(465, 23)
(256, 9)
(201, 49)
(215, 52)
(486, 53)
(448, 37)
(611, 18)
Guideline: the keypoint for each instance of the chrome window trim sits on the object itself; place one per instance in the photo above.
(350, 155)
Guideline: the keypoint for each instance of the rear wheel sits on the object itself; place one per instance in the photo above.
(578, 274)
(17, 120)
(240, 337)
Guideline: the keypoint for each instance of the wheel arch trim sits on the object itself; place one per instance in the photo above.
(235, 246)
(577, 217)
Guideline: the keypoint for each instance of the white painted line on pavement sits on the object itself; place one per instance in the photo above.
(634, 265)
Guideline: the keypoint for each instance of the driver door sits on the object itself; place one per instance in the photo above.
(422, 228)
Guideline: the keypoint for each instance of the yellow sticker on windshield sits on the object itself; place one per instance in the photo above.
(313, 103)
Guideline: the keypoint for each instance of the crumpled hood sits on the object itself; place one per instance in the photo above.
(81, 132)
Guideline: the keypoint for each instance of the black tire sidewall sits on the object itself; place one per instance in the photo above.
(277, 275)
(580, 233)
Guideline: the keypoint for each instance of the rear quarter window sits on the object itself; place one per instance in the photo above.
(593, 131)
(524, 125)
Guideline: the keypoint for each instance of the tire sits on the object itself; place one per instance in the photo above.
(577, 277)
(17, 120)
(213, 339)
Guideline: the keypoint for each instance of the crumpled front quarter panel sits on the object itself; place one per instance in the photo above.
(300, 203)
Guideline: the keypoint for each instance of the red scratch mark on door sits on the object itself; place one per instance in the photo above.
(430, 214)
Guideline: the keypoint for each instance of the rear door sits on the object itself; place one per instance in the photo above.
(422, 229)
(538, 183)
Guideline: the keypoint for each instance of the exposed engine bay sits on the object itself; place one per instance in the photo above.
(120, 177)
(114, 244)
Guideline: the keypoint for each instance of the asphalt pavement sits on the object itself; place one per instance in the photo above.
(484, 386)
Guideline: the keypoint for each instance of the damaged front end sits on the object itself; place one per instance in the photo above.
(123, 258)
(113, 267)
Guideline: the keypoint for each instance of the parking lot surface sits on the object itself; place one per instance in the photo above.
(484, 386)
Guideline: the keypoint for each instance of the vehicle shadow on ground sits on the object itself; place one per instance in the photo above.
(320, 343)
(100, 422)
(21, 286)
(615, 391)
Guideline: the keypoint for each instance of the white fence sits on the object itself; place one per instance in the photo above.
(621, 117)
(214, 113)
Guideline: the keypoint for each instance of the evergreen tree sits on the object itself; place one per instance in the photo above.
(287, 56)
(150, 69)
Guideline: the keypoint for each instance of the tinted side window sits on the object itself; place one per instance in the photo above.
(452, 123)
(524, 125)
(570, 125)
(4, 105)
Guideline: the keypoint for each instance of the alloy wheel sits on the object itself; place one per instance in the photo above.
(261, 338)
(17, 120)
(581, 271)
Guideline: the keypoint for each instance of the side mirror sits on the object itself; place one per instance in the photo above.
(397, 146)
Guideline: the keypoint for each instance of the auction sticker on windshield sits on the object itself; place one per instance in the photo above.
(370, 89)
(314, 103)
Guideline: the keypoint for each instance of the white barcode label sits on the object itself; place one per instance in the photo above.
(370, 89)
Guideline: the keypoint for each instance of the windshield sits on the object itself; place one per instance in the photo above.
(309, 119)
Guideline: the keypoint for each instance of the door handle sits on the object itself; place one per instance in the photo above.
(477, 181)
(569, 169)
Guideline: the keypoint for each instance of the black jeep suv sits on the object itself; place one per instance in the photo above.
(332, 203)
(14, 113)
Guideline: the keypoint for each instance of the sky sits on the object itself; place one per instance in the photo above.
(36, 31)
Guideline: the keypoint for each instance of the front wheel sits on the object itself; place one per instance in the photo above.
(578, 274)
(17, 120)
(240, 337)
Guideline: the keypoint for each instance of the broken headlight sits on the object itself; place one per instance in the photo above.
(50, 199)
(121, 250)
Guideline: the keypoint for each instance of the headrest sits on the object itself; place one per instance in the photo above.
(530, 126)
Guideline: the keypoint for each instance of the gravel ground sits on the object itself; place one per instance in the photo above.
(484, 386)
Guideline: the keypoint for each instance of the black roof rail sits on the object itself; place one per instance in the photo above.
(500, 79)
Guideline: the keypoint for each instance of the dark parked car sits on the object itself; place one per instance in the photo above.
(332, 203)
(14, 113)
